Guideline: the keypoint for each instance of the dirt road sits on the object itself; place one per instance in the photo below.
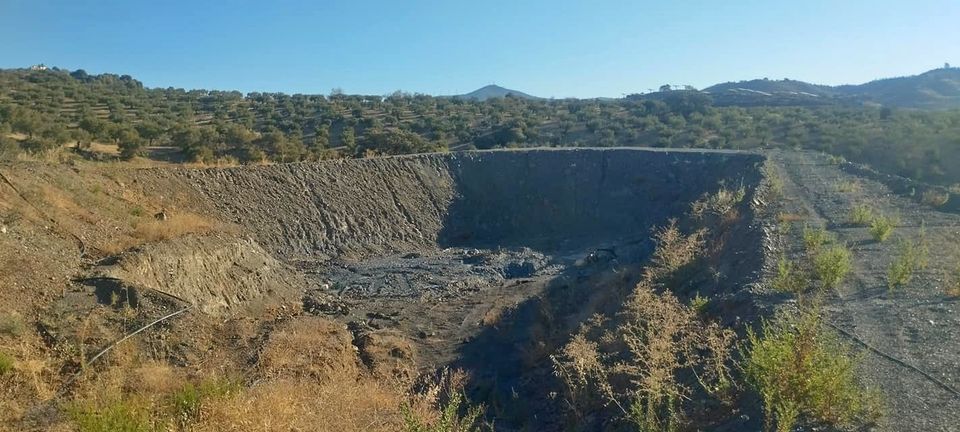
(917, 325)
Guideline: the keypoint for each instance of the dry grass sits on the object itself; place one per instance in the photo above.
(849, 186)
(309, 348)
(674, 250)
(719, 203)
(640, 362)
(790, 217)
(951, 282)
(176, 225)
(308, 378)
(389, 355)
(934, 198)
(650, 358)
(342, 403)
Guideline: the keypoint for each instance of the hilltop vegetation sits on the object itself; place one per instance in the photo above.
(44, 110)
(937, 89)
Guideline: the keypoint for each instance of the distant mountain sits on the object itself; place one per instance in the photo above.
(934, 90)
(493, 91)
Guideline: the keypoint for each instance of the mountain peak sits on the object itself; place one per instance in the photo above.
(491, 91)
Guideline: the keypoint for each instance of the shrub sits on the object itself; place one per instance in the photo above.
(674, 250)
(6, 363)
(699, 304)
(719, 203)
(642, 361)
(802, 370)
(861, 215)
(450, 418)
(9, 148)
(911, 256)
(453, 412)
(882, 226)
(186, 403)
(814, 238)
(789, 279)
(831, 265)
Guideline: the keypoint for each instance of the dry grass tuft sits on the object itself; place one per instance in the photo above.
(934, 198)
(849, 186)
(951, 287)
(176, 225)
(311, 348)
(389, 355)
(719, 203)
(790, 217)
(341, 403)
(674, 250)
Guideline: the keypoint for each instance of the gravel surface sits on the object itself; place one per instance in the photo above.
(918, 325)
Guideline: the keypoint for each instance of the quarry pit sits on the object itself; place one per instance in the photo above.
(484, 261)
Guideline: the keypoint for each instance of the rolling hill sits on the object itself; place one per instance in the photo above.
(494, 91)
(937, 89)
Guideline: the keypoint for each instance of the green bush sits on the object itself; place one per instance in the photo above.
(186, 403)
(861, 215)
(802, 370)
(882, 226)
(832, 265)
(789, 278)
(451, 419)
(814, 238)
(6, 363)
(911, 256)
(699, 303)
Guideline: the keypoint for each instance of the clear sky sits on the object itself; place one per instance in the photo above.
(547, 48)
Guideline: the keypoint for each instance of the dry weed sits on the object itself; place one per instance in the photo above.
(719, 203)
(674, 250)
(638, 362)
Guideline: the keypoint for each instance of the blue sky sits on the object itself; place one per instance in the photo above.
(556, 48)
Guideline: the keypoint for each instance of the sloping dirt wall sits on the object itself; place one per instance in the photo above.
(545, 199)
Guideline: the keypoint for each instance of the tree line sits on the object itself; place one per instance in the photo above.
(43, 110)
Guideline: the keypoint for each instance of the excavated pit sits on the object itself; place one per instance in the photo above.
(482, 260)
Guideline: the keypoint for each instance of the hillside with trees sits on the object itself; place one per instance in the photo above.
(44, 110)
